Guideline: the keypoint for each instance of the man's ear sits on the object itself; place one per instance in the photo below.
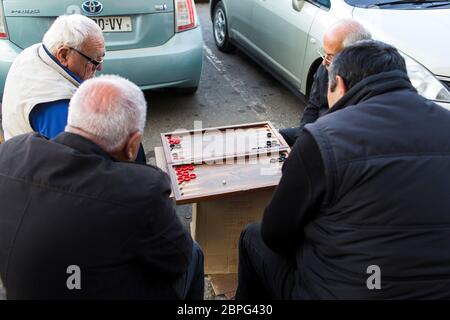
(132, 146)
(341, 87)
(62, 56)
(338, 91)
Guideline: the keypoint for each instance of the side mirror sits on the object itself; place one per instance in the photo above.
(298, 4)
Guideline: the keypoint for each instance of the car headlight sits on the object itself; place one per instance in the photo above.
(425, 82)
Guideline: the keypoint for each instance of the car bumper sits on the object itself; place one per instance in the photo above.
(177, 63)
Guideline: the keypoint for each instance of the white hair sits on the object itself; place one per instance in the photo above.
(110, 108)
(72, 31)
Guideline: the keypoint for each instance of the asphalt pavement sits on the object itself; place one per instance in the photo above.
(233, 90)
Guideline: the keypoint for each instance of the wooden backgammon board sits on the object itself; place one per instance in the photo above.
(213, 162)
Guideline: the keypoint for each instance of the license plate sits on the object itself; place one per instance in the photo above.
(114, 24)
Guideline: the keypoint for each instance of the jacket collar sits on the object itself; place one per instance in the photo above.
(51, 61)
(81, 144)
(373, 86)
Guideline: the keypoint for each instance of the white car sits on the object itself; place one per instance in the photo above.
(286, 35)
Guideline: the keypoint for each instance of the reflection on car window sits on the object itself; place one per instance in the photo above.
(362, 3)
(324, 3)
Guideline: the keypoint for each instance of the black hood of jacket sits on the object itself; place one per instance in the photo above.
(372, 86)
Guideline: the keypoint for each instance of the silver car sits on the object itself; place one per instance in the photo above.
(285, 36)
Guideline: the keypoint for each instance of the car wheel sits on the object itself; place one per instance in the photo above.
(220, 29)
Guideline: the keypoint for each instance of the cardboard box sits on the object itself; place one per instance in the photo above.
(217, 225)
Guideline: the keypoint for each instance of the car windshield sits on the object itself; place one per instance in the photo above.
(421, 4)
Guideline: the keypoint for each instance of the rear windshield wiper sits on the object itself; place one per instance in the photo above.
(388, 3)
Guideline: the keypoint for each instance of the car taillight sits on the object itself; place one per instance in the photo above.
(185, 18)
(3, 33)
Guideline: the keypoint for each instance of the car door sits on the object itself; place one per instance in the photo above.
(239, 13)
(281, 35)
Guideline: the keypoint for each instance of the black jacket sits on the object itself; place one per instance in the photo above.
(67, 202)
(379, 198)
(318, 103)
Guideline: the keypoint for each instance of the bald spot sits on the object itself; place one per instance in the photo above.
(333, 40)
(103, 95)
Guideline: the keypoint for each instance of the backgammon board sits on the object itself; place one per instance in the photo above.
(214, 162)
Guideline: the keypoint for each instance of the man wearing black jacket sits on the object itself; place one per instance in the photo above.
(342, 34)
(362, 208)
(79, 219)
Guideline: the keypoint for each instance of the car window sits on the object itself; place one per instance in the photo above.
(362, 3)
(322, 3)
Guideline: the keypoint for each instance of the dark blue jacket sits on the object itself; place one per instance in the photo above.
(317, 103)
(386, 156)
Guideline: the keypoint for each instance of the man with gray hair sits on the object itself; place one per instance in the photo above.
(111, 118)
(81, 219)
(342, 34)
(45, 76)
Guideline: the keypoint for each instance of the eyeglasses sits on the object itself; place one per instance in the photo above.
(325, 56)
(96, 63)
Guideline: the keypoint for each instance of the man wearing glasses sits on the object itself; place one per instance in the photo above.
(342, 34)
(45, 76)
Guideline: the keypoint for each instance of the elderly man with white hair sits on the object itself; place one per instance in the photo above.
(81, 219)
(45, 76)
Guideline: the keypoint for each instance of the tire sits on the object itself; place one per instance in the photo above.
(220, 29)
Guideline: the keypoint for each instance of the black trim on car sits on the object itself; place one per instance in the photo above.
(446, 83)
(318, 3)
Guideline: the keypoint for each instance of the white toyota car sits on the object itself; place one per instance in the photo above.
(285, 36)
